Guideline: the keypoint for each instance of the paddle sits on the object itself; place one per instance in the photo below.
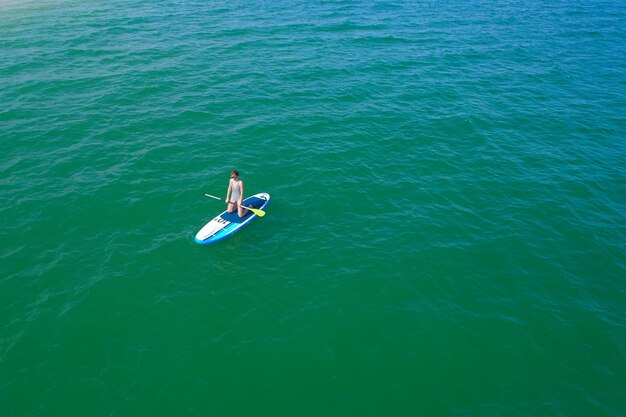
(258, 212)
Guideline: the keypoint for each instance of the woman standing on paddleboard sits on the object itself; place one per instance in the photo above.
(234, 194)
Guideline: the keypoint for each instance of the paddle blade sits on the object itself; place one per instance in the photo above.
(258, 212)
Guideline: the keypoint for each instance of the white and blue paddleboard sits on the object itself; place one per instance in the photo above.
(226, 224)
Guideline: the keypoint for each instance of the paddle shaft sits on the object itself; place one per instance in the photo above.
(217, 198)
(258, 212)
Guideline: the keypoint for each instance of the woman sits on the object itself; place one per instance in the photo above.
(234, 194)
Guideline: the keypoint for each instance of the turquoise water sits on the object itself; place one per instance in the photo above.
(446, 233)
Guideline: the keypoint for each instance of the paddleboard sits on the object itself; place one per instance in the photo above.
(226, 224)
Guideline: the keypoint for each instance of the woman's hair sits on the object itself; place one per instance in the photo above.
(235, 172)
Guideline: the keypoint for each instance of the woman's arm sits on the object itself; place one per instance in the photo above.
(240, 202)
(228, 191)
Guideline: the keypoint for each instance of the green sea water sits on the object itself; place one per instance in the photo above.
(446, 233)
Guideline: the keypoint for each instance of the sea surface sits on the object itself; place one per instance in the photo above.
(446, 235)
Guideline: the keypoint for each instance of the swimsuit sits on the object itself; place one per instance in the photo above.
(235, 192)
